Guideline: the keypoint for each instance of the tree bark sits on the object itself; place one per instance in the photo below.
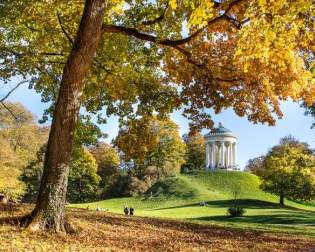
(49, 211)
(281, 200)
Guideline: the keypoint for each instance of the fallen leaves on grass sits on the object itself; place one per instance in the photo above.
(99, 231)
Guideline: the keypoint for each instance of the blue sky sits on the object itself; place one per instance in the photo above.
(253, 139)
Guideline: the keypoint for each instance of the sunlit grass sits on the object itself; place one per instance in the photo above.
(179, 197)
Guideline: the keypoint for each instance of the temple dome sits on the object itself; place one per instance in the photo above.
(221, 129)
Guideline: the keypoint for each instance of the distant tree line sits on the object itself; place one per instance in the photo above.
(144, 151)
(20, 139)
(141, 154)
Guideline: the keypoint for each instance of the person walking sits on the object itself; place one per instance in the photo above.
(131, 211)
(126, 210)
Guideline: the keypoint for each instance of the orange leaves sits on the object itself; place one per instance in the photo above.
(99, 231)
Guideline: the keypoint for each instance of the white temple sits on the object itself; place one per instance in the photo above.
(221, 149)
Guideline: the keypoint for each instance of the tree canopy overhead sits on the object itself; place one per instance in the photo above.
(159, 55)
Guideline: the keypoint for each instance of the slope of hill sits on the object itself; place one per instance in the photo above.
(179, 197)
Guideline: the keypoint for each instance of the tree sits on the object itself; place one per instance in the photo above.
(83, 177)
(195, 152)
(9, 184)
(108, 162)
(20, 139)
(151, 141)
(289, 171)
(31, 176)
(243, 54)
(255, 165)
(310, 110)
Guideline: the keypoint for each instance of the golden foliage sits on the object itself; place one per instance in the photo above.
(200, 54)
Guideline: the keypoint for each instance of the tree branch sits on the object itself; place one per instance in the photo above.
(7, 95)
(29, 53)
(10, 111)
(166, 42)
(64, 30)
(12, 90)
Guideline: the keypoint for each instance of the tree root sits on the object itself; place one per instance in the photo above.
(35, 222)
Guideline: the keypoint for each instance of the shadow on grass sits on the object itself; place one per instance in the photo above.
(303, 218)
(246, 203)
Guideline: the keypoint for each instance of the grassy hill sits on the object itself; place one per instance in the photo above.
(178, 197)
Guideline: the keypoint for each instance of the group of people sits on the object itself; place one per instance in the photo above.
(129, 211)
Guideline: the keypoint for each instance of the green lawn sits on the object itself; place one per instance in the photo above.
(179, 198)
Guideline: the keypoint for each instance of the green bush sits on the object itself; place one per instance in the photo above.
(236, 211)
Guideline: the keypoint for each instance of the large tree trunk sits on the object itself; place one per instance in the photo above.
(49, 211)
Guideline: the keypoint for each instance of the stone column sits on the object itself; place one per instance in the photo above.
(235, 154)
(228, 151)
(230, 154)
(213, 155)
(207, 156)
(222, 154)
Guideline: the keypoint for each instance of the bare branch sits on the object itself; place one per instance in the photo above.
(10, 111)
(7, 95)
(52, 54)
(28, 53)
(12, 90)
(64, 30)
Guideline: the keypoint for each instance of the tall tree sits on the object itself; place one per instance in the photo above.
(243, 54)
(49, 209)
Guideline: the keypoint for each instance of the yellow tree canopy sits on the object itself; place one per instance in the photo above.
(164, 54)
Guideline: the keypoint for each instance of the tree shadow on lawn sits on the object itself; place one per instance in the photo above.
(246, 203)
(294, 218)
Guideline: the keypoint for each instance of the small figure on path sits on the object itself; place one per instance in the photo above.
(131, 211)
(126, 210)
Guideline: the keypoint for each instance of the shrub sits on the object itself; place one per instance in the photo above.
(236, 211)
